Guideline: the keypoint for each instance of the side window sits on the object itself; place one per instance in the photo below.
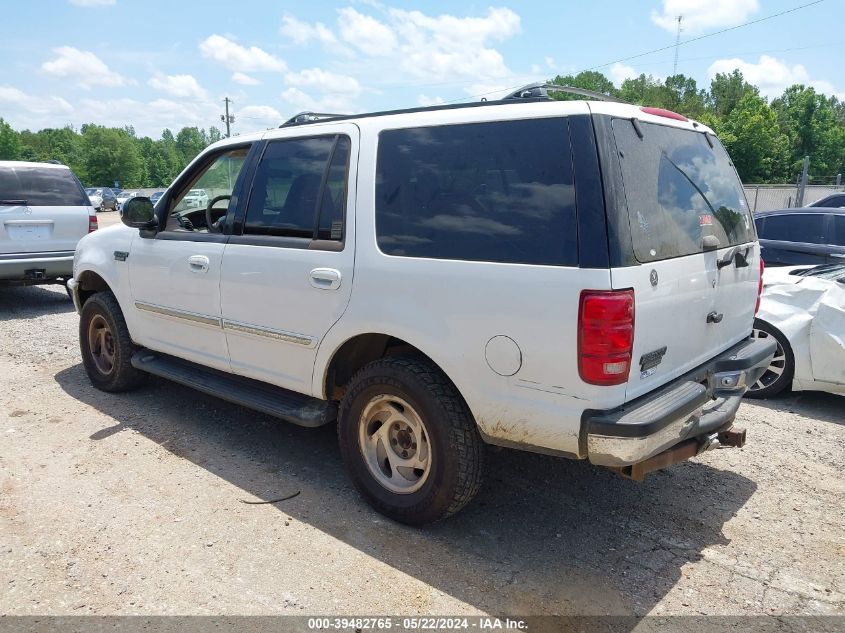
(837, 201)
(286, 194)
(807, 227)
(497, 192)
(215, 179)
(838, 230)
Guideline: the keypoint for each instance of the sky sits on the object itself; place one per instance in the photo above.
(157, 64)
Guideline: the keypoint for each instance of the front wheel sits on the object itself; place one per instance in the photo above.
(106, 346)
(409, 442)
(779, 373)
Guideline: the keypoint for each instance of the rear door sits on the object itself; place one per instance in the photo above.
(687, 216)
(43, 208)
(288, 278)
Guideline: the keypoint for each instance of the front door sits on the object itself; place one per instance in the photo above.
(175, 275)
(287, 279)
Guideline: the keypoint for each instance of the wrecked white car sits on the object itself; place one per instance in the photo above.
(803, 309)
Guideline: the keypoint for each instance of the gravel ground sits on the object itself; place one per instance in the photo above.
(131, 504)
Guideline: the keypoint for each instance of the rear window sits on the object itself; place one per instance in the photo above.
(41, 186)
(679, 190)
(497, 192)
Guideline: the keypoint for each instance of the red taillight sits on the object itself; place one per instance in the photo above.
(760, 286)
(92, 223)
(668, 114)
(605, 336)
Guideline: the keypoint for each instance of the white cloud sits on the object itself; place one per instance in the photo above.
(178, 86)
(25, 110)
(427, 101)
(93, 3)
(244, 79)
(702, 15)
(239, 58)
(772, 75)
(88, 69)
(302, 33)
(303, 101)
(620, 72)
(366, 33)
(148, 118)
(324, 81)
(258, 117)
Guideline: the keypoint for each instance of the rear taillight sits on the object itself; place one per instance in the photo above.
(605, 336)
(92, 223)
(760, 286)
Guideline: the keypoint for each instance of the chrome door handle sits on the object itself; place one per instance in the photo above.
(198, 263)
(325, 278)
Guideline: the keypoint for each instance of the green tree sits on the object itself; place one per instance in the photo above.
(190, 141)
(683, 96)
(752, 136)
(111, 154)
(588, 80)
(10, 142)
(644, 90)
(726, 90)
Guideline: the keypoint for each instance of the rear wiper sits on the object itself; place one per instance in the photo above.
(13, 203)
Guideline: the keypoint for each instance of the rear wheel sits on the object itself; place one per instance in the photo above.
(106, 346)
(779, 373)
(409, 441)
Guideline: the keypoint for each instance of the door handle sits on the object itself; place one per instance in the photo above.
(198, 263)
(325, 278)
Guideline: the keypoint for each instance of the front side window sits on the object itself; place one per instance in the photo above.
(299, 189)
(496, 192)
(679, 190)
(215, 181)
(804, 227)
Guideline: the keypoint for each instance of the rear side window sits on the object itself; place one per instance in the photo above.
(290, 179)
(497, 192)
(679, 190)
(804, 227)
(838, 230)
(41, 186)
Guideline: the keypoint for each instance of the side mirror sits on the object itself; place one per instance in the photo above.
(139, 213)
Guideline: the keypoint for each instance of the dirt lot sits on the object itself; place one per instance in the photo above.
(131, 504)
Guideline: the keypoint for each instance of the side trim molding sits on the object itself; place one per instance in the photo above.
(279, 335)
(179, 314)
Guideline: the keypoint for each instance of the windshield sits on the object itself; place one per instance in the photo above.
(826, 271)
(41, 186)
(679, 190)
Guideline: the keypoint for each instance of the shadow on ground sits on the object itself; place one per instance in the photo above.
(825, 407)
(29, 302)
(545, 536)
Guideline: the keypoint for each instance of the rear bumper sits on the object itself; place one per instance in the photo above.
(34, 267)
(696, 405)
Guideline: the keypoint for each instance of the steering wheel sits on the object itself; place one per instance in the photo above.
(208, 221)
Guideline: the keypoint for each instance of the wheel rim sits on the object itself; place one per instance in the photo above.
(775, 369)
(395, 444)
(101, 344)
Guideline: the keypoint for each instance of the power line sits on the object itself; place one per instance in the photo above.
(663, 48)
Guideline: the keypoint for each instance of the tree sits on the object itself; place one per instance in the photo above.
(190, 141)
(588, 80)
(111, 155)
(683, 96)
(10, 142)
(726, 90)
(644, 90)
(752, 136)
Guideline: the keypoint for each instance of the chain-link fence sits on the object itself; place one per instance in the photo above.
(768, 197)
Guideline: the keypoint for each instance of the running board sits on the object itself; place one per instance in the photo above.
(280, 403)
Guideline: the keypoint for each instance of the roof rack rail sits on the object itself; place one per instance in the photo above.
(309, 117)
(540, 90)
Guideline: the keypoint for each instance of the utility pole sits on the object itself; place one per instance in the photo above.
(227, 118)
(799, 202)
(677, 45)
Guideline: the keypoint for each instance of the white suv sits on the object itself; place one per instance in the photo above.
(44, 212)
(568, 277)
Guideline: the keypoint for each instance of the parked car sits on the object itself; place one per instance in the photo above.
(154, 198)
(834, 200)
(803, 310)
(195, 199)
(123, 196)
(102, 198)
(44, 212)
(440, 278)
(808, 236)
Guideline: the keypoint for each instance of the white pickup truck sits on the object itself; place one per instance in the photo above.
(568, 277)
(44, 212)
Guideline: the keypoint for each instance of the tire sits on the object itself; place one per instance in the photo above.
(778, 375)
(106, 346)
(407, 404)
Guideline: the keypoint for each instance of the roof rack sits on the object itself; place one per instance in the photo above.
(309, 117)
(540, 90)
